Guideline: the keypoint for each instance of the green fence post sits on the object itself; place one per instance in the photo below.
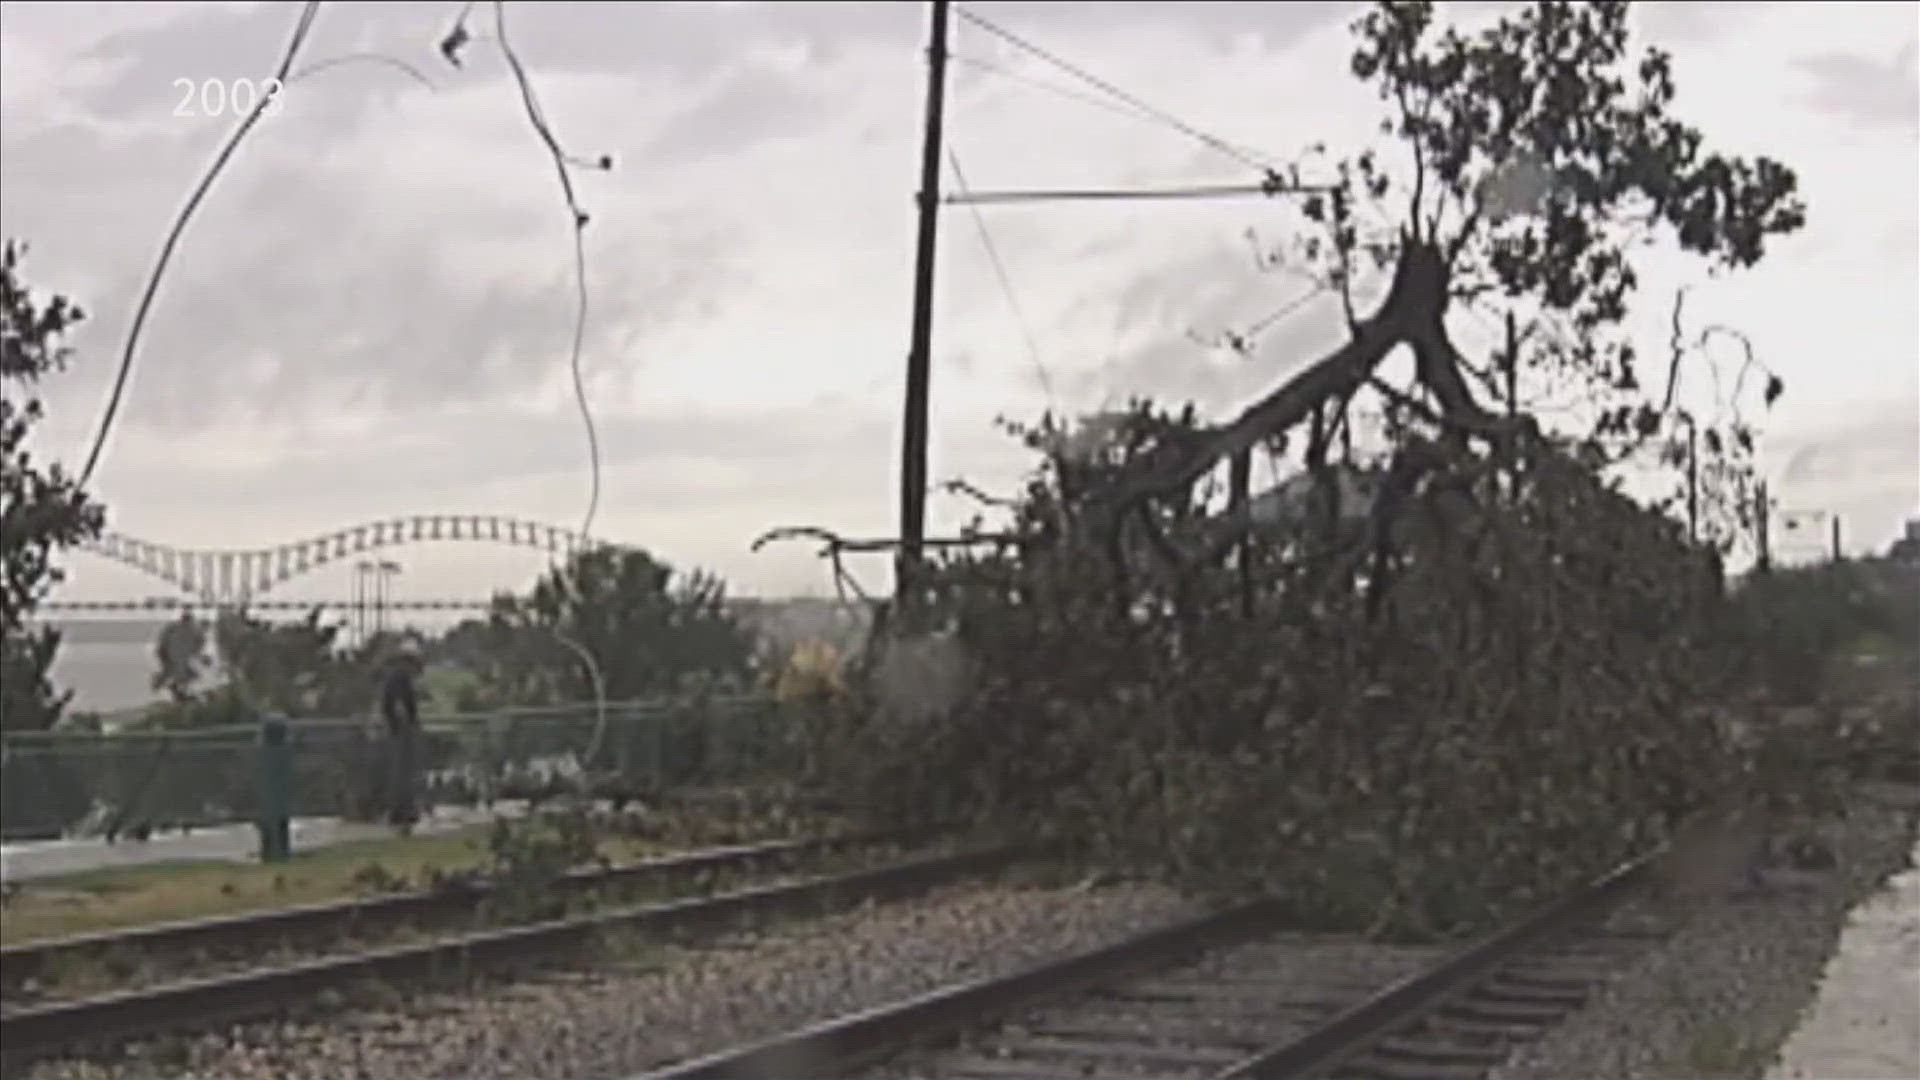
(276, 792)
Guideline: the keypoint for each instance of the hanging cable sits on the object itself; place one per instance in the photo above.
(1006, 284)
(1245, 338)
(449, 48)
(1249, 158)
(300, 30)
(561, 160)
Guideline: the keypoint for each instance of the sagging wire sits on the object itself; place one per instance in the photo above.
(1242, 342)
(302, 26)
(286, 77)
(363, 58)
(450, 46)
(833, 546)
(1006, 283)
(1258, 162)
(1103, 104)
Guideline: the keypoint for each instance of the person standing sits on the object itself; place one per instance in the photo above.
(400, 708)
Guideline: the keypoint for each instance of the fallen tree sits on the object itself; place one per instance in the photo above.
(1498, 674)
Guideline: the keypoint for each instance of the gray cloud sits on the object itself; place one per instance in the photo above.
(278, 329)
(1697, 20)
(1880, 441)
(667, 459)
(263, 317)
(1866, 90)
(669, 41)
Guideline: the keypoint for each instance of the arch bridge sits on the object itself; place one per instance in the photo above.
(233, 577)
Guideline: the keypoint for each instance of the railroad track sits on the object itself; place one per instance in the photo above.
(35, 1031)
(1229, 996)
(256, 933)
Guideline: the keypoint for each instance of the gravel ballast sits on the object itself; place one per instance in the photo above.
(668, 1004)
(1717, 998)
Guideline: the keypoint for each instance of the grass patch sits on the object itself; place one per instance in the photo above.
(120, 897)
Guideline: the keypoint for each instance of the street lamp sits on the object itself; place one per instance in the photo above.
(362, 571)
(385, 571)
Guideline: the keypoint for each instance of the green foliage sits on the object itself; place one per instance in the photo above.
(1789, 624)
(525, 858)
(42, 509)
(282, 668)
(1827, 656)
(220, 707)
(649, 629)
(1510, 712)
(1545, 153)
(293, 669)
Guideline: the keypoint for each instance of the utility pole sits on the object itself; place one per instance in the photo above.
(1693, 482)
(1512, 362)
(362, 592)
(1836, 536)
(1763, 543)
(913, 448)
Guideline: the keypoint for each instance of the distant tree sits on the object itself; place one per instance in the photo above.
(180, 655)
(507, 660)
(649, 628)
(288, 668)
(82, 722)
(42, 510)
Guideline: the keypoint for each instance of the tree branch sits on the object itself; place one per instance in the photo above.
(1416, 297)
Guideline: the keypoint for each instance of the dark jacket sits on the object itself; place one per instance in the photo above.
(399, 703)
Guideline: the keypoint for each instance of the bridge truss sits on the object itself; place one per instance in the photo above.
(239, 577)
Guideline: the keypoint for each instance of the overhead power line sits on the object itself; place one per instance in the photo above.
(1270, 187)
(1247, 157)
(302, 26)
(1006, 284)
(1105, 104)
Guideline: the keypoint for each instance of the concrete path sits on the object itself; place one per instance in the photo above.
(42, 858)
(1864, 1023)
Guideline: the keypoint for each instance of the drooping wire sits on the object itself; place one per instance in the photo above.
(1258, 162)
(1006, 283)
(363, 58)
(1244, 339)
(450, 48)
(561, 160)
(300, 30)
(1114, 107)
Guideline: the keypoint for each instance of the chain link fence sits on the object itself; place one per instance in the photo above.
(57, 783)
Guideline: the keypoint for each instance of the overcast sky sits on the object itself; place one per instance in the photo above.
(370, 316)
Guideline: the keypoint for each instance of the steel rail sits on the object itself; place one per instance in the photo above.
(36, 1030)
(28, 960)
(835, 1047)
(1394, 1009)
(838, 1048)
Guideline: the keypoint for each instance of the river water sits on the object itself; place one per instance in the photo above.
(105, 676)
